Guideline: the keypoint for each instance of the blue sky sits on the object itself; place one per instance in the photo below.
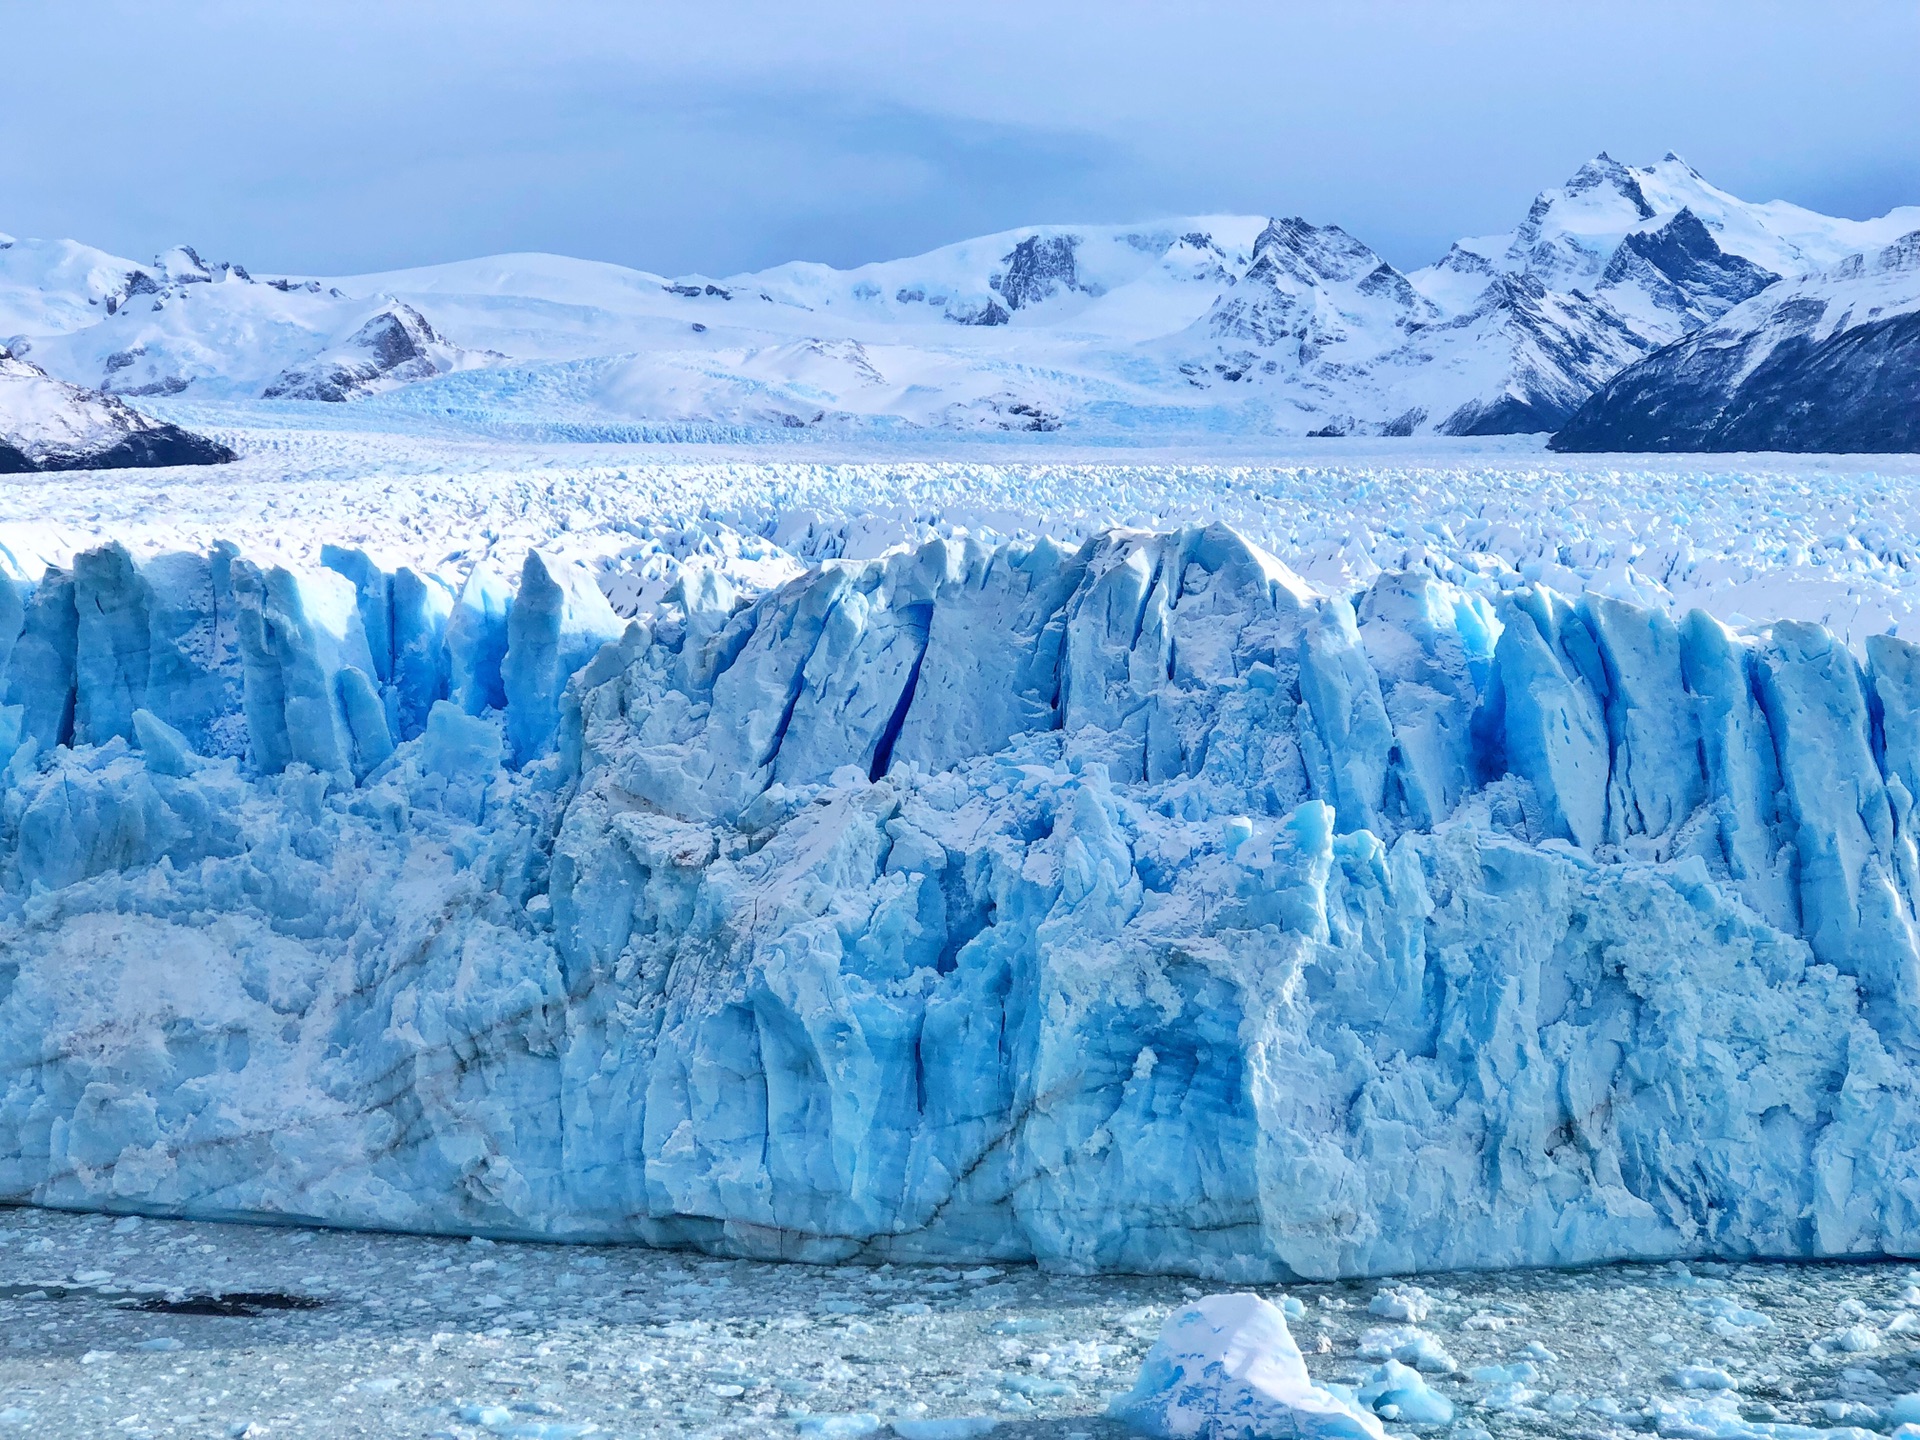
(724, 136)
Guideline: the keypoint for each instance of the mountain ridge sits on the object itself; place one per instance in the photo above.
(1264, 325)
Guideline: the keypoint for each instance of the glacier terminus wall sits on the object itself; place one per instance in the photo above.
(1129, 907)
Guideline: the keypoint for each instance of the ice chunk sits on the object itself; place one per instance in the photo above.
(41, 668)
(1399, 1392)
(165, 749)
(299, 636)
(1401, 1302)
(1227, 1365)
(559, 620)
(1703, 1377)
(961, 1427)
(838, 1427)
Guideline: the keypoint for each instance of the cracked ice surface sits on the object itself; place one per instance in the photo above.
(1757, 538)
(104, 1333)
(1124, 907)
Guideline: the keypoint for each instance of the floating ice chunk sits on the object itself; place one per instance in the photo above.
(1703, 1377)
(1521, 1372)
(1853, 1340)
(1903, 1410)
(1227, 1365)
(1504, 1397)
(959, 1427)
(838, 1427)
(1399, 1392)
(1402, 1302)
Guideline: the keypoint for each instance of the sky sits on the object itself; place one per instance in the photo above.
(717, 137)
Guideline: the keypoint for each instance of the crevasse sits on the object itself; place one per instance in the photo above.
(1129, 907)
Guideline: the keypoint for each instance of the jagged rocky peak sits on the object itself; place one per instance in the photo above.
(1604, 173)
(1569, 233)
(1464, 261)
(182, 265)
(396, 335)
(1196, 256)
(1309, 253)
(1680, 269)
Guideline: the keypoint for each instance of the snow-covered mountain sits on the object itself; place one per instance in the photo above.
(184, 322)
(1225, 324)
(1830, 362)
(47, 424)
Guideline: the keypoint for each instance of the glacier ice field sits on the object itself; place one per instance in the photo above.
(706, 854)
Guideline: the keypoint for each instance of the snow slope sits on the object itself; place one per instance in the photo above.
(50, 287)
(1124, 906)
(1195, 326)
(228, 335)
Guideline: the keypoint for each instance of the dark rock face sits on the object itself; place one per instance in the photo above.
(992, 313)
(1827, 363)
(1857, 390)
(1038, 268)
(160, 445)
(1505, 415)
(64, 427)
(1684, 270)
(392, 346)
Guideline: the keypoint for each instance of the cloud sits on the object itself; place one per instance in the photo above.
(735, 133)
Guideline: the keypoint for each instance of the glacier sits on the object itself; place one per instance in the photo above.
(1131, 906)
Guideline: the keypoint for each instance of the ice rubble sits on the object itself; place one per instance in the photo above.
(1128, 907)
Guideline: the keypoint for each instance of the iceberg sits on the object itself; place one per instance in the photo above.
(1227, 1368)
(1125, 907)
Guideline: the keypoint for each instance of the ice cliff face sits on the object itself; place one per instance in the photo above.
(1129, 907)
